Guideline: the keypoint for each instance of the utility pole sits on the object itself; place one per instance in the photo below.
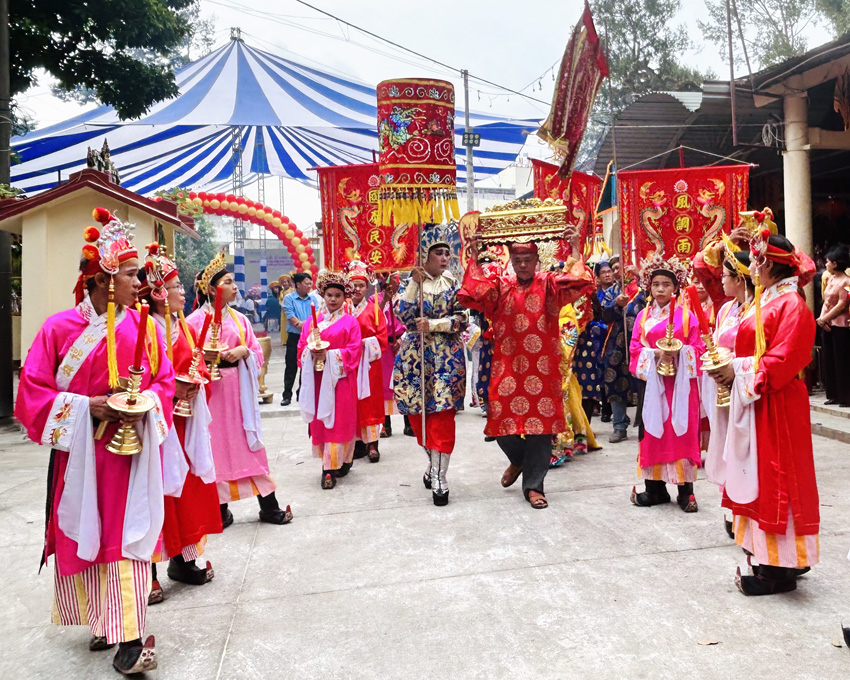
(5, 237)
(468, 142)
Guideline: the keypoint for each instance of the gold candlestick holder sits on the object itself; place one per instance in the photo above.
(125, 441)
(183, 407)
(217, 347)
(315, 343)
(717, 357)
(668, 343)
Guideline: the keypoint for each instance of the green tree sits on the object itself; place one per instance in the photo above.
(774, 30)
(643, 47)
(92, 44)
(196, 43)
(837, 13)
(192, 256)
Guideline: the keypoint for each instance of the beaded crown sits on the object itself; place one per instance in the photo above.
(159, 270)
(216, 265)
(357, 269)
(327, 279)
(655, 262)
(110, 245)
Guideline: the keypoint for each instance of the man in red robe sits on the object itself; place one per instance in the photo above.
(770, 480)
(526, 401)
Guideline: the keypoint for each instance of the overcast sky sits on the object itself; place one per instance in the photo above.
(511, 42)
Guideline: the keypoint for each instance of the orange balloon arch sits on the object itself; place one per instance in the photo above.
(265, 216)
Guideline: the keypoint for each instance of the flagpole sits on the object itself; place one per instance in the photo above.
(616, 188)
(422, 344)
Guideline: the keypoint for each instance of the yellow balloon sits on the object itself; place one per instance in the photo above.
(225, 205)
(214, 204)
(307, 266)
(300, 248)
(276, 221)
(206, 204)
(289, 234)
(296, 240)
(268, 217)
(304, 257)
(197, 201)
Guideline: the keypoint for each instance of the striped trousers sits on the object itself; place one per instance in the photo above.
(112, 599)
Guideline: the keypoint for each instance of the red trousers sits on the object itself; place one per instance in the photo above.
(439, 428)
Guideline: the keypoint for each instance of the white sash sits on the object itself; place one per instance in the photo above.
(371, 352)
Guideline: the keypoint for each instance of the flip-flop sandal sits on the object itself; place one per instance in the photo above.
(511, 475)
(538, 502)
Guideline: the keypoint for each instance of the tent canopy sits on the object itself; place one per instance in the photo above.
(286, 117)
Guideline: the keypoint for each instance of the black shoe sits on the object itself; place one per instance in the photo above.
(440, 498)
(98, 643)
(846, 632)
(186, 572)
(342, 471)
(408, 431)
(606, 418)
(226, 516)
(655, 494)
(426, 480)
(730, 528)
(374, 454)
(796, 573)
(285, 401)
(489, 439)
(387, 432)
(134, 657)
(360, 449)
(830, 402)
(780, 581)
(276, 516)
(328, 479)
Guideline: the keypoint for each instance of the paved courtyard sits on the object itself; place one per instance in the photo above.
(372, 581)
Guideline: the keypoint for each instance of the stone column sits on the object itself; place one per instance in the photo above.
(797, 182)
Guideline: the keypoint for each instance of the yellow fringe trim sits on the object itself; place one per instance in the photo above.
(760, 341)
(185, 328)
(111, 349)
(169, 345)
(238, 325)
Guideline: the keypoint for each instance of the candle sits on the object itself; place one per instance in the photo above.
(315, 319)
(140, 339)
(218, 302)
(203, 336)
(672, 310)
(696, 305)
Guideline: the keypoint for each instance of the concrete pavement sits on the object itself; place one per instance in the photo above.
(372, 581)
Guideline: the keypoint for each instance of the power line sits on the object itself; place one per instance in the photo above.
(420, 55)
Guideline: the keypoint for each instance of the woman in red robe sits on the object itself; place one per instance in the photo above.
(775, 508)
(370, 391)
(193, 515)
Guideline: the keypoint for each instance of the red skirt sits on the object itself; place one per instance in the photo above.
(439, 428)
(194, 514)
(370, 411)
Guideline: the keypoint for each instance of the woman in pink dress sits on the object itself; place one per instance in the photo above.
(328, 401)
(395, 329)
(669, 409)
(834, 322)
(241, 463)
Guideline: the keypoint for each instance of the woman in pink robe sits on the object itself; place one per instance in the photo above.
(241, 463)
(329, 402)
(395, 329)
(669, 411)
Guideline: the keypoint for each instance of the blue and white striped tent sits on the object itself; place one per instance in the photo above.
(289, 117)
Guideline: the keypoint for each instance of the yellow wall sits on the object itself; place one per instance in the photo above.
(52, 239)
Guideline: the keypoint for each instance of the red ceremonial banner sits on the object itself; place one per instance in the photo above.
(580, 193)
(680, 210)
(349, 196)
(583, 67)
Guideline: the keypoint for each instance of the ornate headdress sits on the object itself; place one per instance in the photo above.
(432, 236)
(159, 270)
(735, 264)
(329, 279)
(216, 266)
(655, 263)
(106, 248)
(357, 269)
